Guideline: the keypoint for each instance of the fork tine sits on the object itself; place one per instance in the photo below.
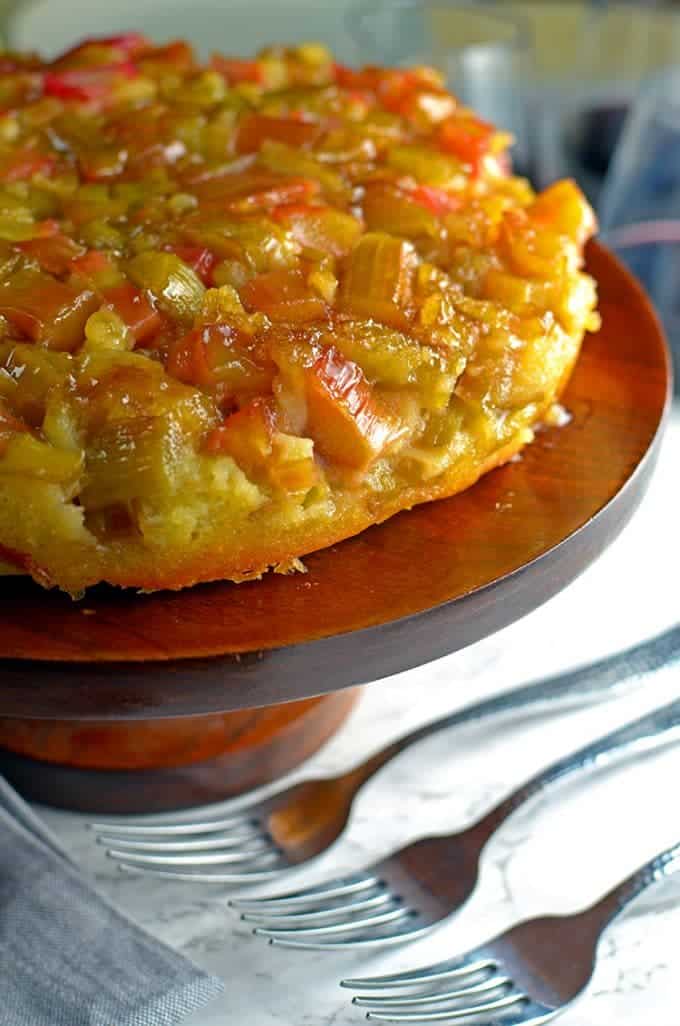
(264, 869)
(450, 1013)
(206, 826)
(382, 938)
(404, 1000)
(338, 889)
(451, 969)
(206, 844)
(337, 928)
(202, 859)
(299, 918)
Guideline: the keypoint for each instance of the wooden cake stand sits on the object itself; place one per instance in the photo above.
(126, 702)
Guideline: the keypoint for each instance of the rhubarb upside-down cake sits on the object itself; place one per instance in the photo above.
(250, 307)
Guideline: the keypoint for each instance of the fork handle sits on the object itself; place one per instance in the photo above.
(648, 732)
(592, 921)
(587, 683)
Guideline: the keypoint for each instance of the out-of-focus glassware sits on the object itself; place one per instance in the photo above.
(7, 8)
(640, 204)
(228, 26)
(484, 53)
(621, 44)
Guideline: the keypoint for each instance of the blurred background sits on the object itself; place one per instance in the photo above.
(586, 86)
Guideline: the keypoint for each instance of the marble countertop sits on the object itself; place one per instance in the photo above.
(557, 855)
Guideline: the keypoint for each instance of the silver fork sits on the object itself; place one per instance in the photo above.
(258, 840)
(406, 894)
(524, 977)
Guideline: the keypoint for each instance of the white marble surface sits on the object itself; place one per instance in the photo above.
(554, 856)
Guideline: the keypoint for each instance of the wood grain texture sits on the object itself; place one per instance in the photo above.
(422, 584)
(160, 765)
(151, 744)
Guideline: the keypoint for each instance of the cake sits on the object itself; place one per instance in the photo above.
(250, 307)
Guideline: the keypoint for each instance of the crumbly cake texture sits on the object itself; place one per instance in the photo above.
(249, 308)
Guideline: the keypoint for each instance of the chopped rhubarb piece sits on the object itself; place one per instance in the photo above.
(250, 437)
(23, 163)
(54, 253)
(246, 435)
(236, 70)
(283, 296)
(323, 228)
(342, 415)
(388, 208)
(367, 79)
(89, 85)
(91, 263)
(129, 44)
(564, 207)
(222, 359)
(47, 229)
(254, 129)
(176, 288)
(397, 89)
(188, 359)
(295, 190)
(134, 308)
(377, 280)
(437, 201)
(177, 56)
(394, 89)
(466, 138)
(99, 165)
(200, 259)
(194, 357)
(46, 310)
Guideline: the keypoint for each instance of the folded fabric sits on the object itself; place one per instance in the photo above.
(67, 958)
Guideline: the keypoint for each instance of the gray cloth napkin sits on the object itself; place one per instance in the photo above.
(67, 958)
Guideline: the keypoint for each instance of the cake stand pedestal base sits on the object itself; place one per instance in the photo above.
(137, 766)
